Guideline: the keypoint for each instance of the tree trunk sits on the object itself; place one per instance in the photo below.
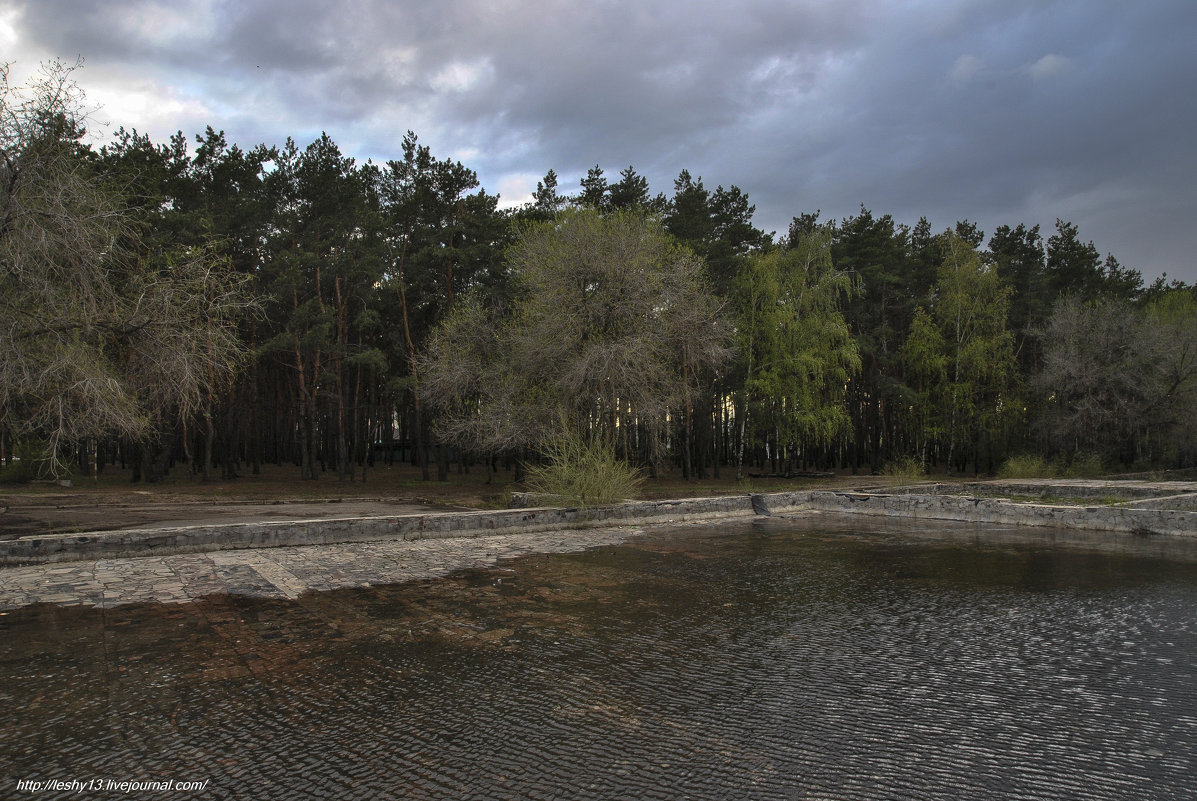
(209, 435)
(344, 470)
(743, 434)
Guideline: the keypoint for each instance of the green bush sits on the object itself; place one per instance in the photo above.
(583, 473)
(1084, 465)
(903, 470)
(1028, 466)
(18, 472)
(31, 463)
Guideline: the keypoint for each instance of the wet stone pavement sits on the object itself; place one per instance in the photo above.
(777, 659)
(276, 572)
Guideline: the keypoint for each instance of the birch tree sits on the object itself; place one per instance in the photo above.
(797, 352)
(971, 304)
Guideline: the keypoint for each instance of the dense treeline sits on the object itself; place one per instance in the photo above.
(394, 311)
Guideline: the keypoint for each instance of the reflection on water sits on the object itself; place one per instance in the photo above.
(769, 660)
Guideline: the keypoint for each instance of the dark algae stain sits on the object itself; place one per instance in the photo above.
(770, 661)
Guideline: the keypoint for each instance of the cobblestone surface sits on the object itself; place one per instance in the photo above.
(278, 572)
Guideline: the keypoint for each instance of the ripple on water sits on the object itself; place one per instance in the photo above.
(762, 661)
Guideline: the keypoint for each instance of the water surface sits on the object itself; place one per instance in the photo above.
(772, 660)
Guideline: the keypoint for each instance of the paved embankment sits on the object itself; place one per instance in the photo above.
(278, 572)
(1160, 508)
(286, 558)
(439, 525)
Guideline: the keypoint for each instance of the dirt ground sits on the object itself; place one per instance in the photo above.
(113, 502)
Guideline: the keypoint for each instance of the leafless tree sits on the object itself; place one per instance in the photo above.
(1121, 381)
(99, 335)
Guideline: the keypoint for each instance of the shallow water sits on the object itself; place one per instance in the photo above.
(773, 660)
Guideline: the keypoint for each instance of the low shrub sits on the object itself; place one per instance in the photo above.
(1084, 465)
(18, 472)
(1028, 466)
(903, 470)
(583, 472)
(31, 462)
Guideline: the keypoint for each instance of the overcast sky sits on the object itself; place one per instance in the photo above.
(1001, 111)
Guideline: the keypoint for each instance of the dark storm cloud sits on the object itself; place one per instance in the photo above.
(1000, 112)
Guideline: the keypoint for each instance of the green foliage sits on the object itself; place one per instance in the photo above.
(1076, 268)
(128, 272)
(370, 359)
(903, 470)
(583, 471)
(631, 193)
(1080, 465)
(715, 225)
(1171, 320)
(1019, 257)
(611, 321)
(594, 190)
(971, 306)
(895, 268)
(1028, 466)
(32, 461)
(796, 350)
(1084, 465)
(925, 362)
(18, 472)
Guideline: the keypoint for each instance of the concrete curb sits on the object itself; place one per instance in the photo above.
(970, 509)
(908, 503)
(1058, 488)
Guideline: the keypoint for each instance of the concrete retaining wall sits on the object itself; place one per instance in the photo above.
(1059, 488)
(997, 511)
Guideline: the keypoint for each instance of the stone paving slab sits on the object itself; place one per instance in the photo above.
(284, 572)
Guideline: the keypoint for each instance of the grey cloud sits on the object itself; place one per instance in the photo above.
(1004, 147)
